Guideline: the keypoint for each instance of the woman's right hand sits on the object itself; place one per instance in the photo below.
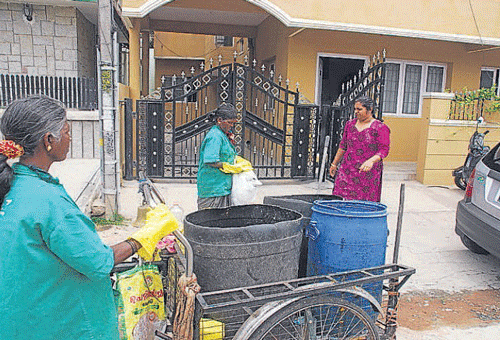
(333, 169)
(159, 223)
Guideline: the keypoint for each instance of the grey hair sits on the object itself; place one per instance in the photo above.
(225, 111)
(27, 120)
(366, 101)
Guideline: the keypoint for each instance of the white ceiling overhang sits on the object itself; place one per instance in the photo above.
(207, 16)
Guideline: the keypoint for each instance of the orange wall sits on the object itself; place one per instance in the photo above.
(463, 70)
(463, 67)
(213, 51)
(272, 41)
(170, 67)
(450, 17)
(179, 45)
(404, 144)
(296, 52)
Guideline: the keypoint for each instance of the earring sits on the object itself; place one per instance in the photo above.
(49, 148)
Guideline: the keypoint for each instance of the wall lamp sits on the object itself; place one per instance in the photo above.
(28, 11)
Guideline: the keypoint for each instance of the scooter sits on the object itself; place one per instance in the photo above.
(477, 150)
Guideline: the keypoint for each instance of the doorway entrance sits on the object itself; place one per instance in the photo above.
(333, 72)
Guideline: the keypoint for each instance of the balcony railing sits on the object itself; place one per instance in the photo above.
(73, 92)
(471, 110)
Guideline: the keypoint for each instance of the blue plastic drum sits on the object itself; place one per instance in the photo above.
(347, 235)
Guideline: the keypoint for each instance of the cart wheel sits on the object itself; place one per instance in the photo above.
(317, 317)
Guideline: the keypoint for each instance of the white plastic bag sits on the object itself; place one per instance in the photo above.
(244, 187)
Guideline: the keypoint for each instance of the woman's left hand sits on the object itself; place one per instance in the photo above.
(366, 166)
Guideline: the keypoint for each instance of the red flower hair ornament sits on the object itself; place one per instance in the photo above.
(10, 149)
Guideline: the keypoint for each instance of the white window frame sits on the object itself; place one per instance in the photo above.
(423, 86)
(496, 71)
(224, 40)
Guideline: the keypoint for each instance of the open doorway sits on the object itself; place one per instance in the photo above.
(332, 73)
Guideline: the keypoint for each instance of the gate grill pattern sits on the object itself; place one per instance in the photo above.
(273, 130)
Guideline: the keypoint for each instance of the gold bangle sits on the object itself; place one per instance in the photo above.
(335, 165)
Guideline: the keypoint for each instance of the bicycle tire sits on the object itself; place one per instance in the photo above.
(326, 316)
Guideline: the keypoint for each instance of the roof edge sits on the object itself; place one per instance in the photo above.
(399, 32)
(144, 9)
(289, 21)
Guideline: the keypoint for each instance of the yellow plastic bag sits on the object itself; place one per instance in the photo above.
(240, 165)
(140, 303)
(245, 164)
(159, 223)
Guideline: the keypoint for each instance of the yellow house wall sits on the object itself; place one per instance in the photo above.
(463, 67)
(169, 67)
(404, 145)
(455, 16)
(463, 70)
(443, 143)
(272, 42)
(179, 45)
(226, 53)
(219, 5)
(177, 52)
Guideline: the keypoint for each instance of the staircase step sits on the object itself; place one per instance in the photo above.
(399, 171)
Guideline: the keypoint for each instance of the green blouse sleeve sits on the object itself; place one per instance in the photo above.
(72, 237)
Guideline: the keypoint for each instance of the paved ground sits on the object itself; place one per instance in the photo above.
(428, 241)
(76, 174)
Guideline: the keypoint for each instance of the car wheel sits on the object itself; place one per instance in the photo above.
(460, 182)
(472, 246)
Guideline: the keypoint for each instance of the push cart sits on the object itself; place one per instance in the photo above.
(334, 306)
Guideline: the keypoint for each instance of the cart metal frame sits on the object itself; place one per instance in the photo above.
(243, 311)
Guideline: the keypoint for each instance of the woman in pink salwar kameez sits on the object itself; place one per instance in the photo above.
(363, 146)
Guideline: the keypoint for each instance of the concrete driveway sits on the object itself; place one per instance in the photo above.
(428, 242)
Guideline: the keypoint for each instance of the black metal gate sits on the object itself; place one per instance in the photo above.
(333, 118)
(273, 131)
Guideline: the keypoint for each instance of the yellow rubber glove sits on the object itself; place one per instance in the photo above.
(240, 165)
(231, 169)
(159, 223)
(245, 164)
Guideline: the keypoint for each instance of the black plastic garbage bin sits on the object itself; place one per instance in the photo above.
(302, 204)
(244, 245)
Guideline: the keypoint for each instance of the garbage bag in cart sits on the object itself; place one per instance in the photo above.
(140, 304)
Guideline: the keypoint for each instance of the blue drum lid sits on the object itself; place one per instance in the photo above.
(350, 208)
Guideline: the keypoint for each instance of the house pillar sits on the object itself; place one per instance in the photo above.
(152, 65)
(135, 59)
(145, 63)
(439, 149)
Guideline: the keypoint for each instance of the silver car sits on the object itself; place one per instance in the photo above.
(478, 214)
